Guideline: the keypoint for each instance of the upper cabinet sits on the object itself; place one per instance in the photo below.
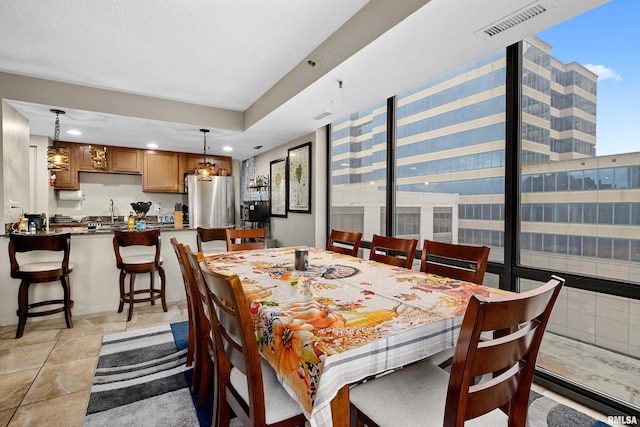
(109, 159)
(161, 172)
(125, 160)
(189, 162)
(68, 180)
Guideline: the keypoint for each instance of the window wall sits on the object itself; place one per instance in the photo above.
(569, 205)
(358, 170)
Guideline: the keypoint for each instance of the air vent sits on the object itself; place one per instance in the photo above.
(514, 19)
(321, 115)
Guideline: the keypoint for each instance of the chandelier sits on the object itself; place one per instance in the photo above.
(205, 170)
(57, 157)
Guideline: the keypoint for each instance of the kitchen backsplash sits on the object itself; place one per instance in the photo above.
(99, 189)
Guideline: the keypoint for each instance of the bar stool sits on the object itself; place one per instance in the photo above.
(134, 263)
(41, 271)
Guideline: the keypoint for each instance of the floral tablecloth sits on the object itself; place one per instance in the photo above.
(344, 318)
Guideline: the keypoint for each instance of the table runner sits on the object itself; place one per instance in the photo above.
(344, 318)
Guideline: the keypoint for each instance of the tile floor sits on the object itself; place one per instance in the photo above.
(46, 375)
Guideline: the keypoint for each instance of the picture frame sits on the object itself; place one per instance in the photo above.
(278, 185)
(299, 159)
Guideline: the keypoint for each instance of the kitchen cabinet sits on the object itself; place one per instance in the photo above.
(189, 162)
(68, 180)
(125, 160)
(119, 160)
(85, 162)
(161, 172)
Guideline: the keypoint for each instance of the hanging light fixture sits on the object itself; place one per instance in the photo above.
(57, 157)
(204, 170)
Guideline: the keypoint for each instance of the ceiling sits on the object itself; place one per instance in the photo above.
(241, 65)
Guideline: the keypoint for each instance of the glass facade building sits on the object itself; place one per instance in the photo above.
(579, 213)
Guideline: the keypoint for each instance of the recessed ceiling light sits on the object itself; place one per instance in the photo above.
(152, 145)
(74, 132)
(227, 148)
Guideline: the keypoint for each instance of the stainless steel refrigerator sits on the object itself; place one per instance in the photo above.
(211, 203)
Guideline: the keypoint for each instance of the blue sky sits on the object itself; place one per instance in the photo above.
(607, 41)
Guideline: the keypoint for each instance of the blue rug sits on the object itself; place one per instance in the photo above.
(181, 337)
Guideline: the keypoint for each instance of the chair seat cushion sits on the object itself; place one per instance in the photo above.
(37, 267)
(278, 404)
(140, 259)
(414, 395)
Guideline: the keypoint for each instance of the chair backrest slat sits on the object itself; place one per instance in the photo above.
(462, 262)
(258, 237)
(205, 235)
(27, 243)
(344, 242)
(136, 238)
(393, 250)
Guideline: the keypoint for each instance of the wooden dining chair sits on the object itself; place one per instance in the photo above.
(393, 250)
(145, 261)
(205, 235)
(198, 325)
(246, 384)
(424, 394)
(462, 262)
(257, 237)
(344, 242)
(31, 272)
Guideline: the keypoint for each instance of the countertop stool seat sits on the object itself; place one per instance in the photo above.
(133, 263)
(41, 270)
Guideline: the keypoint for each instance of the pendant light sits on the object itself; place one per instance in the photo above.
(57, 157)
(204, 170)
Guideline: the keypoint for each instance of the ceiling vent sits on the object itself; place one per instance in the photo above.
(321, 115)
(514, 19)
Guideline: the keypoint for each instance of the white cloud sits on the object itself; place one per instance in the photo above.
(604, 72)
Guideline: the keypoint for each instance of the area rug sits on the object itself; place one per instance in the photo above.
(142, 380)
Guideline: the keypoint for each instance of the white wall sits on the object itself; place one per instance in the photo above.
(302, 229)
(15, 163)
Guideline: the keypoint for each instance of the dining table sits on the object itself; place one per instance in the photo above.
(343, 319)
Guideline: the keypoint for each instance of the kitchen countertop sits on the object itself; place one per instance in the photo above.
(82, 228)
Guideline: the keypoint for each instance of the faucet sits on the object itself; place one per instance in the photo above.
(111, 210)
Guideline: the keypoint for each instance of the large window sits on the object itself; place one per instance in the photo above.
(358, 170)
(578, 177)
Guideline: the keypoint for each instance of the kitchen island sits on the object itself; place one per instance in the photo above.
(95, 277)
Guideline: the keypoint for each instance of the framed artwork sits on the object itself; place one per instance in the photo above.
(300, 178)
(278, 187)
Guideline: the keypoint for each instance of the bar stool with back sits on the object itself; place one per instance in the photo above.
(41, 271)
(139, 262)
